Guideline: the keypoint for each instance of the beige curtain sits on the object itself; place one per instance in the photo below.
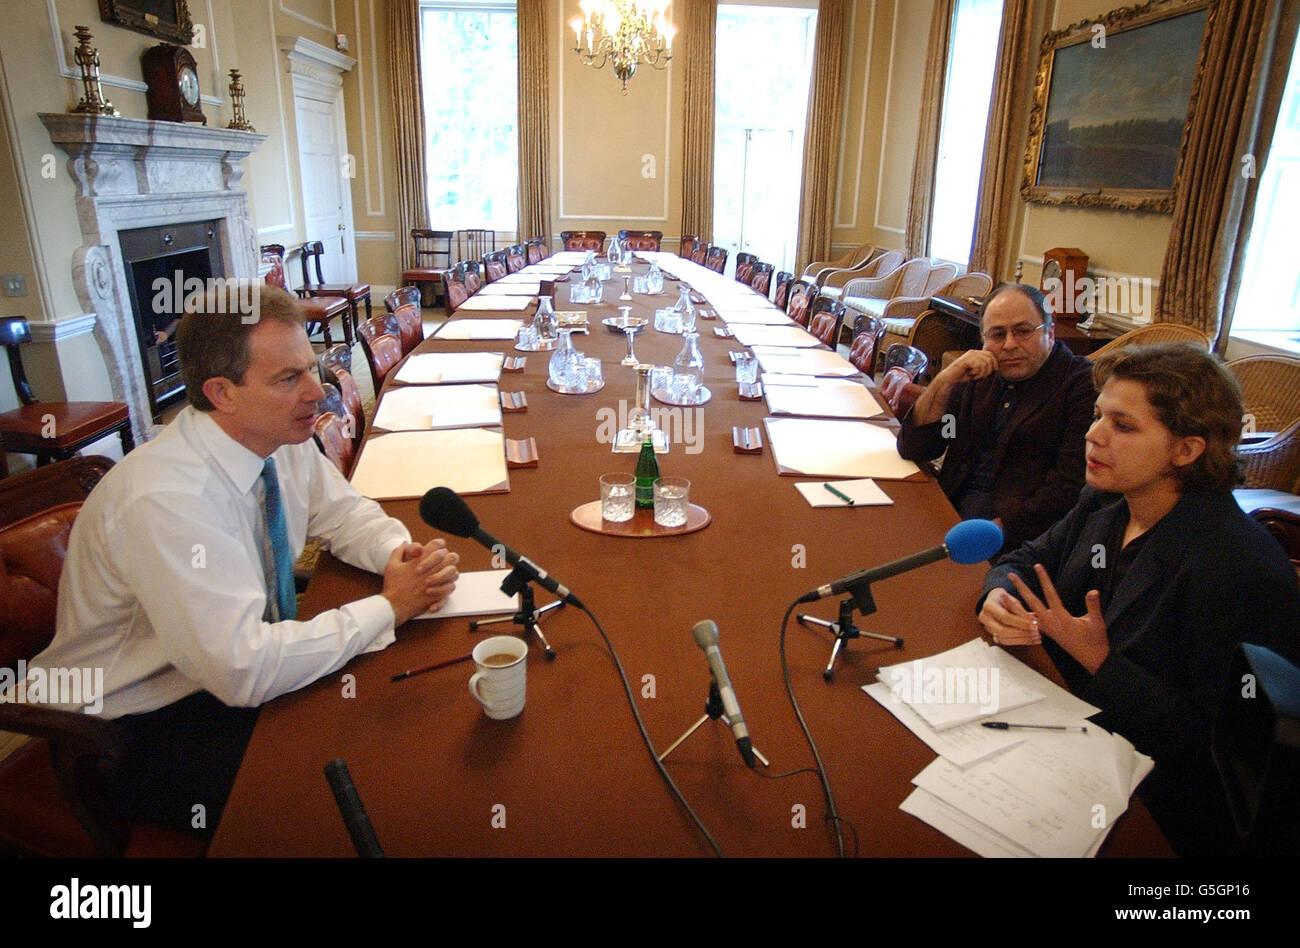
(821, 140)
(408, 128)
(1247, 54)
(696, 55)
(920, 204)
(1003, 158)
(534, 122)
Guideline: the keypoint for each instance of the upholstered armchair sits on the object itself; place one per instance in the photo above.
(850, 260)
(832, 281)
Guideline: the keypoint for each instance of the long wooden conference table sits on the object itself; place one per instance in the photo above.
(570, 776)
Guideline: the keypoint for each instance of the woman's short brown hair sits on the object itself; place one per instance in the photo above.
(213, 335)
(1193, 395)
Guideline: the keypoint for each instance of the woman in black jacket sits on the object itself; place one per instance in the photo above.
(1142, 592)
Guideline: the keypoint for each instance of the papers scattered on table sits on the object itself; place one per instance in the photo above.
(828, 398)
(479, 329)
(503, 304)
(759, 335)
(817, 448)
(436, 368)
(403, 465)
(421, 407)
(1014, 792)
(517, 288)
(865, 493)
(477, 594)
(803, 361)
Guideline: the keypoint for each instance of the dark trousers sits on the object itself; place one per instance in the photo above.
(181, 762)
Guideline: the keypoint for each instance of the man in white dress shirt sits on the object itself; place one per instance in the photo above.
(175, 583)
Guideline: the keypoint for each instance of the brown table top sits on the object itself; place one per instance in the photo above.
(570, 775)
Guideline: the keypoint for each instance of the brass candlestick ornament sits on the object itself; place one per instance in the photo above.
(87, 57)
(240, 121)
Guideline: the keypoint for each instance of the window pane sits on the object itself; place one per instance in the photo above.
(469, 61)
(971, 64)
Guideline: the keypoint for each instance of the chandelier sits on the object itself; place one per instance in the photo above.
(625, 33)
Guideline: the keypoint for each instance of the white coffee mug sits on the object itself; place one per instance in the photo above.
(498, 684)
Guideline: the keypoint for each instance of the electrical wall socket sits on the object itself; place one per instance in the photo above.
(15, 284)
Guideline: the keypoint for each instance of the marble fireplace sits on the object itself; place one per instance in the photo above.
(135, 174)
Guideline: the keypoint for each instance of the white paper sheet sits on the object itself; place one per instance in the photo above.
(819, 448)
(406, 463)
(437, 368)
(477, 594)
(803, 361)
(502, 304)
(518, 288)
(795, 337)
(479, 329)
(865, 493)
(422, 407)
(830, 398)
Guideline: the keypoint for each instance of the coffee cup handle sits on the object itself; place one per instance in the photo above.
(473, 687)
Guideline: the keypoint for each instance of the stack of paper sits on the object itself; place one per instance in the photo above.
(437, 368)
(405, 464)
(1015, 792)
(421, 407)
(818, 448)
(803, 362)
(503, 304)
(826, 398)
(479, 329)
(790, 336)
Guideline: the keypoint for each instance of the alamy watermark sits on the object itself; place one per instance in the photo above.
(214, 295)
(1121, 295)
(683, 426)
(918, 683)
(62, 686)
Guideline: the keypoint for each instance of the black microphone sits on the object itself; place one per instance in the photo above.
(354, 814)
(968, 542)
(706, 637)
(443, 509)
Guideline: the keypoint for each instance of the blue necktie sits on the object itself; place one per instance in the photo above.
(278, 534)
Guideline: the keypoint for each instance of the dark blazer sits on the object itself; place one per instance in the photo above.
(1040, 463)
(1206, 578)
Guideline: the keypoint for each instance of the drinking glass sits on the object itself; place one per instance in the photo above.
(746, 367)
(617, 497)
(672, 499)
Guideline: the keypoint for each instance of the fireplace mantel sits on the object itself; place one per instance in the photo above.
(132, 173)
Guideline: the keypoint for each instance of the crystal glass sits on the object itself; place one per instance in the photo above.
(527, 338)
(672, 500)
(564, 360)
(668, 320)
(627, 289)
(661, 378)
(593, 376)
(655, 280)
(617, 497)
(688, 370)
(544, 320)
(686, 307)
(615, 253)
(746, 367)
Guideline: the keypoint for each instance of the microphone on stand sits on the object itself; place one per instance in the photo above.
(443, 509)
(706, 637)
(968, 542)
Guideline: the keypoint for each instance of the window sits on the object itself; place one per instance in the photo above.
(763, 65)
(468, 57)
(972, 60)
(1268, 304)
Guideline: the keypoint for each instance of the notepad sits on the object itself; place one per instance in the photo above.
(422, 407)
(829, 398)
(865, 493)
(479, 329)
(504, 304)
(757, 335)
(516, 288)
(818, 448)
(476, 594)
(437, 368)
(405, 464)
(803, 361)
(732, 315)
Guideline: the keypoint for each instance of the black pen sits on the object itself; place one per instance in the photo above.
(840, 494)
(1004, 725)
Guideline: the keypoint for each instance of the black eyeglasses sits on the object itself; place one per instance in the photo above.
(998, 335)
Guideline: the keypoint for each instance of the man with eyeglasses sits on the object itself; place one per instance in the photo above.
(1011, 417)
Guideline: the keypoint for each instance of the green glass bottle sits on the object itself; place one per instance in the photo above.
(647, 472)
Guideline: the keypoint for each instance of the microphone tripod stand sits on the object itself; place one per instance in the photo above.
(712, 710)
(843, 630)
(520, 581)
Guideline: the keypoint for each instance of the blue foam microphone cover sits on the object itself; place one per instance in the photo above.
(973, 540)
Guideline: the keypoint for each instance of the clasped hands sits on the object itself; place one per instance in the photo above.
(1010, 623)
(419, 577)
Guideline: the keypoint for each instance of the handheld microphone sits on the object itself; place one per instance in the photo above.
(354, 814)
(706, 637)
(968, 542)
(443, 509)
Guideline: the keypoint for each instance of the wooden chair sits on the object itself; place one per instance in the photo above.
(1155, 333)
(472, 276)
(761, 281)
(516, 258)
(902, 356)
(432, 256)
(405, 294)
(745, 266)
(411, 326)
(354, 293)
(52, 431)
(583, 240)
(538, 249)
(781, 288)
(716, 259)
(825, 319)
(699, 253)
(1270, 394)
(935, 333)
(898, 385)
(473, 243)
(799, 302)
(854, 258)
(334, 440)
(456, 282)
(868, 332)
(336, 369)
(50, 804)
(687, 246)
(317, 311)
(494, 266)
(381, 340)
(641, 240)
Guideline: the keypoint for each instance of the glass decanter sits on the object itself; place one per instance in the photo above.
(688, 370)
(544, 320)
(654, 281)
(686, 308)
(564, 361)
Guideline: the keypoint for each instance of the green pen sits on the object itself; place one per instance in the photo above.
(840, 494)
